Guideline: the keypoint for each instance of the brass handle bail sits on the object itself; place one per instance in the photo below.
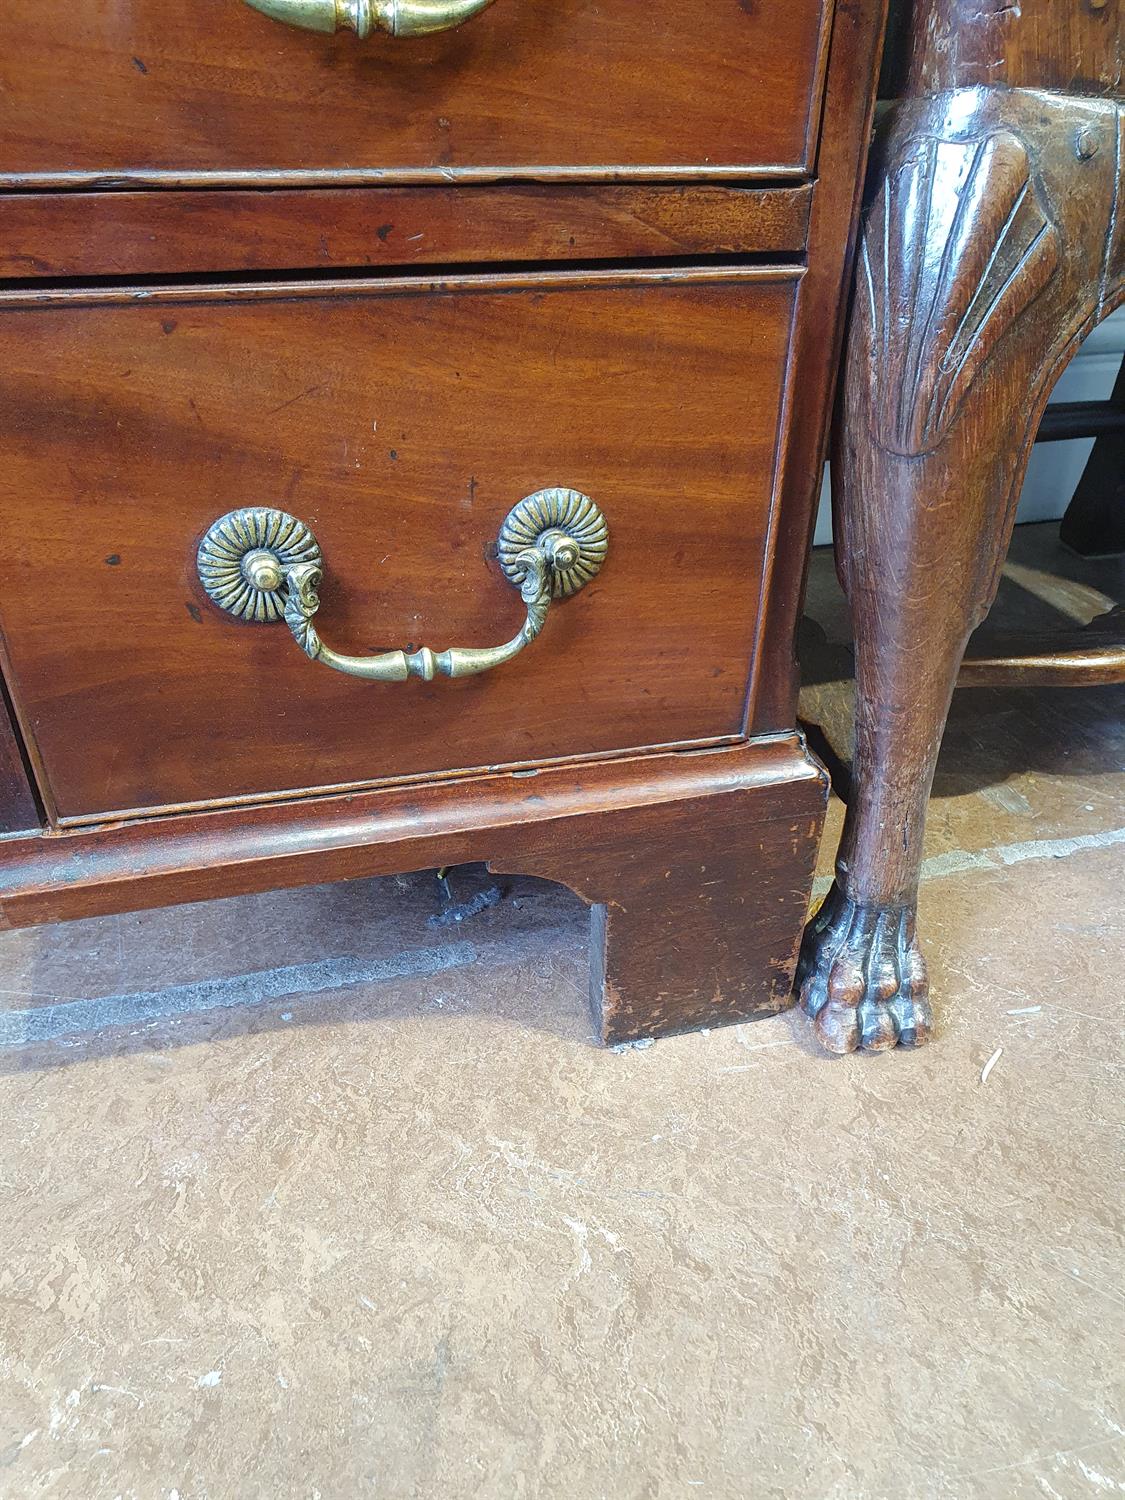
(396, 17)
(262, 565)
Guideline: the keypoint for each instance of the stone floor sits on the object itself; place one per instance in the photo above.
(383, 1222)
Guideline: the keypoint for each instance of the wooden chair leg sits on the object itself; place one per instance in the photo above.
(972, 285)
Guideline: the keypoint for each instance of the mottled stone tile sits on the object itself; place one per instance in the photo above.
(422, 1238)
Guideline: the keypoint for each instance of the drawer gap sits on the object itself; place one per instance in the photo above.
(437, 274)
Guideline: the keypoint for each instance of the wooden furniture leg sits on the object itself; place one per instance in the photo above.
(979, 272)
(696, 904)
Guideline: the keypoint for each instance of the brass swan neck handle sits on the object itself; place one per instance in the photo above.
(263, 565)
(302, 603)
(397, 17)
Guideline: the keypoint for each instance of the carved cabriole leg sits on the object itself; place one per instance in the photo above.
(978, 273)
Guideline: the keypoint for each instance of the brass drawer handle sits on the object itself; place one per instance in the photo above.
(398, 17)
(263, 565)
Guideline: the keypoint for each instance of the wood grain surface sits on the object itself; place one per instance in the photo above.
(1034, 44)
(401, 420)
(815, 351)
(180, 233)
(696, 867)
(18, 810)
(401, 415)
(140, 87)
(989, 251)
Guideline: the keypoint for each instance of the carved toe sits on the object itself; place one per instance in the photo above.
(837, 1028)
(862, 978)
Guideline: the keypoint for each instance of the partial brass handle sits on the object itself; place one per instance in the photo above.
(398, 17)
(260, 564)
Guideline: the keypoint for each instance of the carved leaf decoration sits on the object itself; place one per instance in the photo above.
(956, 248)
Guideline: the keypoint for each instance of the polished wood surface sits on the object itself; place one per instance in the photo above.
(1091, 655)
(815, 353)
(1074, 46)
(400, 420)
(401, 415)
(18, 810)
(696, 867)
(173, 233)
(101, 91)
(992, 246)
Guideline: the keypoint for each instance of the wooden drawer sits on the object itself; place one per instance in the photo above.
(141, 89)
(400, 419)
(228, 231)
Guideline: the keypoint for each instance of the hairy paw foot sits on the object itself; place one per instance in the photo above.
(862, 978)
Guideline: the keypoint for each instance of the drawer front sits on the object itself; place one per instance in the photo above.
(400, 421)
(211, 87)
(227, 231)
